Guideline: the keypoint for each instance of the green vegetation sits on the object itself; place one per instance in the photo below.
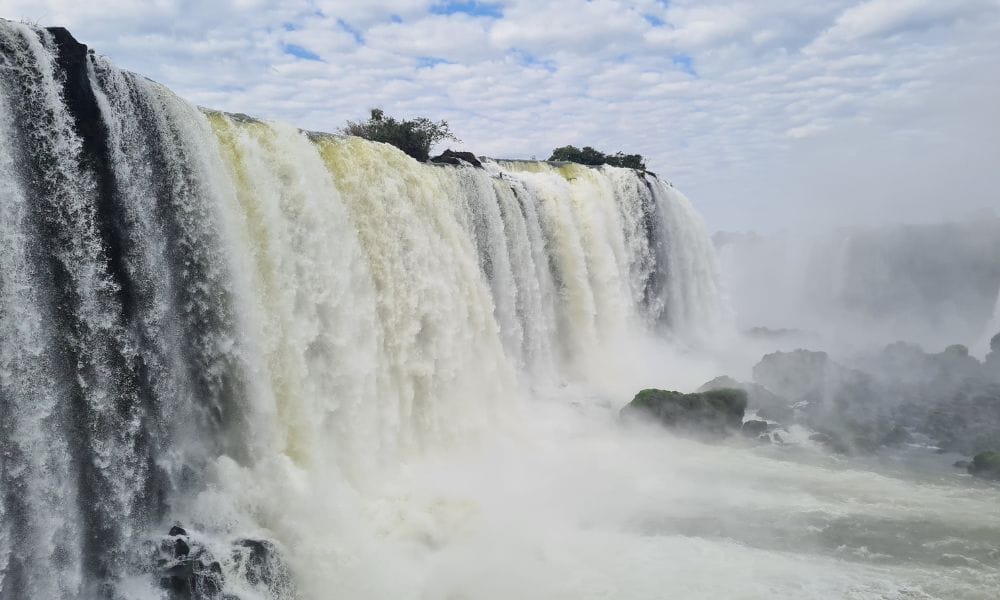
(590, 156)
(986, 465)
(414, 137)
(714, 411)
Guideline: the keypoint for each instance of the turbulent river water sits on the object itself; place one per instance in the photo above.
(400, 379)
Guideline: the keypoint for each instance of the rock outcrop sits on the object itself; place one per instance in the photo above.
(768, 405)
(713, 412)
(451, 157)
(986, 465)
(187, 570)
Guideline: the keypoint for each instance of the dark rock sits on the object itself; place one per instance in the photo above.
(768, 405)
(181, 549)
(451, 157)
(986, 465)
(714, 412)
(777, 438)
(260, 563)
(962, 464)
(754, 428)
(187, 571)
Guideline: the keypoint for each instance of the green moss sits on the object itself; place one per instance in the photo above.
(714, 411)
(987, 461)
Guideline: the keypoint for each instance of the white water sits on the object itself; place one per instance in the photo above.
(406, 376)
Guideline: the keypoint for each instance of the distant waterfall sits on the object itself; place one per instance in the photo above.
(201, 313)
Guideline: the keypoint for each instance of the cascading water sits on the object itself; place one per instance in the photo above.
(194, 302)
(238, 360)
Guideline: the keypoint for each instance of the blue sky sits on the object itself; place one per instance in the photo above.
(768, 114)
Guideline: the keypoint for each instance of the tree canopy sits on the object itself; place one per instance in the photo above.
(414, 136)
(590, 156)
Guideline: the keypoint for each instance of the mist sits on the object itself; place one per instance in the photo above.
(933, 284)
(240, 360)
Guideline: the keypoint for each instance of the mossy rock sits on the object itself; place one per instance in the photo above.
(714, 411)
(986, 465)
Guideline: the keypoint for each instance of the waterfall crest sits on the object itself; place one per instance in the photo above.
(213, 320)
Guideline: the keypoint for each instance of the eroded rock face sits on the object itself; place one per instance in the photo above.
(713, 412)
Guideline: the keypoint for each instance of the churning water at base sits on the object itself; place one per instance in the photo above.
(350, 375)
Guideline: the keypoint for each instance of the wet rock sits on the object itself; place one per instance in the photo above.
(755, 428)
(451, 157)
(962, 464)
(986, 465)
(713, 412)
(188, 571)
(768, 405)
(260, 563)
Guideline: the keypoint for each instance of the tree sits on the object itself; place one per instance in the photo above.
(630, 161)
(414, 137)
(592, 157)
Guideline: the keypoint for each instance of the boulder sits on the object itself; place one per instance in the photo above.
(986, 465)
(187, 570)
(260, 563)
(768, 405)
(451, 157)
(714, 412)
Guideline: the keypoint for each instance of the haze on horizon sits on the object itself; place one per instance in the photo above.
(768, 115)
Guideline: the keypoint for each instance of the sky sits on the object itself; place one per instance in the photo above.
(769, 115)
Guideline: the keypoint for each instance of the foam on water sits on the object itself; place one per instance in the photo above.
(404, 377)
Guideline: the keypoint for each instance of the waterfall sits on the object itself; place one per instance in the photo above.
(228, 324)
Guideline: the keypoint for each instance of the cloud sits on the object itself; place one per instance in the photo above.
(892, 17)
(768, 114)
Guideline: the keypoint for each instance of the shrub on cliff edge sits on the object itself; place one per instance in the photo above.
(414, 136)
